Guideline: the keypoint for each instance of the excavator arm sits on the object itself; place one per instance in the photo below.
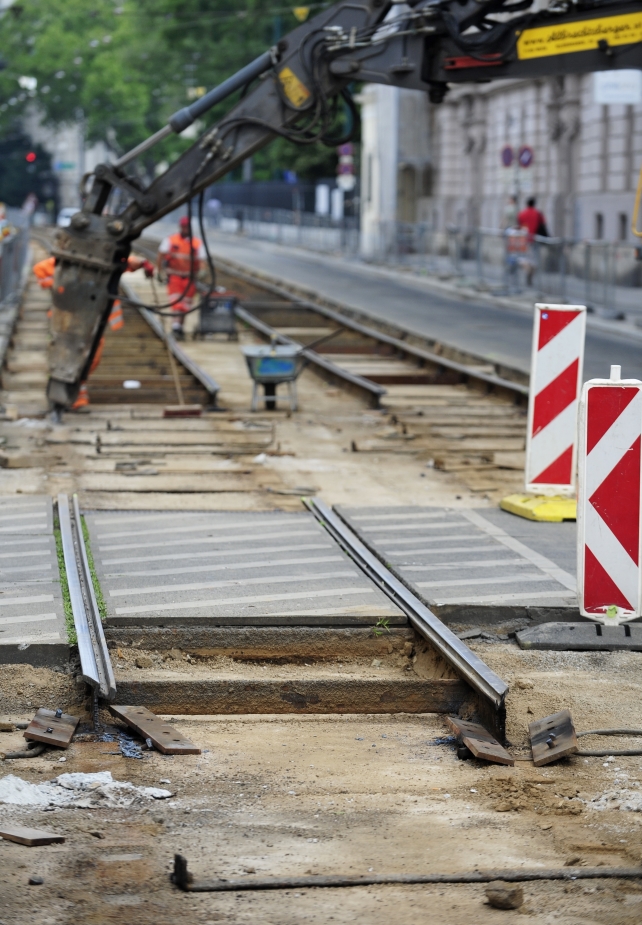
(292, 91)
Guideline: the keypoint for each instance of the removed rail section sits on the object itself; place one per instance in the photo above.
(491, 689)
(95, 662)
(184, 880)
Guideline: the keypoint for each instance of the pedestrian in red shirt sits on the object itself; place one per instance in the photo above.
(533, 221)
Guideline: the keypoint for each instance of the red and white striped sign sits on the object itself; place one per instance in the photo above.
(556, 381)
(608, 507)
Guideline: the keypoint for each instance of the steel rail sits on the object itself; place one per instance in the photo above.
(466, 372)
(480, 677)
(375, 390)
(95, 662)
(184, 880)
(210, 385)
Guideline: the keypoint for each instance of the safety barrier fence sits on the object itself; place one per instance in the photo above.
(604, 275)
(13, 253)
(294, 229)
(14, 247)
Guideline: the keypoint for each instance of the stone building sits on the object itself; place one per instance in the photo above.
(442, 165)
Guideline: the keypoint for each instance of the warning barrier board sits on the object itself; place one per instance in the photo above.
(556, 380)
(608, 507)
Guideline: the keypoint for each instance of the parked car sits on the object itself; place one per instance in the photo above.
(64, 217)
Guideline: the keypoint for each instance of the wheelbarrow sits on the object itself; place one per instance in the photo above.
(271, 365)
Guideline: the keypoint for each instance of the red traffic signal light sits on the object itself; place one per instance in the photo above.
(30, 157)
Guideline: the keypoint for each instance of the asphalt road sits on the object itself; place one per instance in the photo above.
(499, 334)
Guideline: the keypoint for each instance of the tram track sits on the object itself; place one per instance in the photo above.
(458, 417)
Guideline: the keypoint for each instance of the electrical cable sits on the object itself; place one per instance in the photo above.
(603, 753)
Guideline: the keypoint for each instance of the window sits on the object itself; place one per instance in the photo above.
(599, 226)
(623, 226)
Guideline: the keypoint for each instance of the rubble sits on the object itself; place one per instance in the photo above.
(85, 791)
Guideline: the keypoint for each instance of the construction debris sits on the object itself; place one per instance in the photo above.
(30, 837)
(83, 791)
(552, 738)
(479, 741)
(162, 735)
(504, 895)
(53, 727)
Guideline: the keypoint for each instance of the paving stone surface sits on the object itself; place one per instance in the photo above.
(31, 607)
(475, 565)
(241, 569)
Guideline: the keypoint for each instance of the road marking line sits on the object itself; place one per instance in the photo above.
(462, 582)
(269, 563)
(28, 618)
(230, 583)
(224, 540)
(21, 516)
(27, 542)
(26, 568)
(373, 610)
(470, 563)
(446, 551)
(546, 566)
(385, 542)
(211, 554)
(525, 598)
(408, 516)
(429, 528)
(211, 526)
(24, 555)
(30, 640)
(248, 516)
(38, 599)
(43, 528)
(263, 599)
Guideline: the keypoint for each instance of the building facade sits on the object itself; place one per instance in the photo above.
(450, 165)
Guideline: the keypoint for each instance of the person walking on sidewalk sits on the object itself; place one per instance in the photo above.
(182, 257)
(533, 221)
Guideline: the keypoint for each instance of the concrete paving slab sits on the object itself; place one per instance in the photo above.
(225, 569)
(27, 514)
(32, 617)
(473, 566)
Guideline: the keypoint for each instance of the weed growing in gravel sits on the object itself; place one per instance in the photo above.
(70, 626)
(100, 600)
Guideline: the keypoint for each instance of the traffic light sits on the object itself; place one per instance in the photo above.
(30, 157)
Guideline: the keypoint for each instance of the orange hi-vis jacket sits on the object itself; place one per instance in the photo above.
(44, 272)
(178, 260)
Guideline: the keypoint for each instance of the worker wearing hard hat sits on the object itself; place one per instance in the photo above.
(181, 256)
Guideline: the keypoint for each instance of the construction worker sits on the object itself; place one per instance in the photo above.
(181, 257)
(44, 273)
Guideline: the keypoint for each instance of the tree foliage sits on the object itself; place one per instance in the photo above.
(124, 66)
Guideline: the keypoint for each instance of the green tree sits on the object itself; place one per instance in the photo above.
(124, 67)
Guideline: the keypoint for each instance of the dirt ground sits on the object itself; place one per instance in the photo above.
(287, 795)
(290, 795)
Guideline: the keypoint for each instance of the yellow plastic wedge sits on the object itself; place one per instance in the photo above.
(540, 507)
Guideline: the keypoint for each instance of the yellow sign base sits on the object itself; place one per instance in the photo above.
(540, 507)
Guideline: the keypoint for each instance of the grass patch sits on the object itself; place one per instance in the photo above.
(70, 626)
(100, 600)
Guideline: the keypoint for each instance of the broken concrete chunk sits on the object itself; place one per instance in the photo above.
(144, 661)
(23, 835)
(503, 895)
